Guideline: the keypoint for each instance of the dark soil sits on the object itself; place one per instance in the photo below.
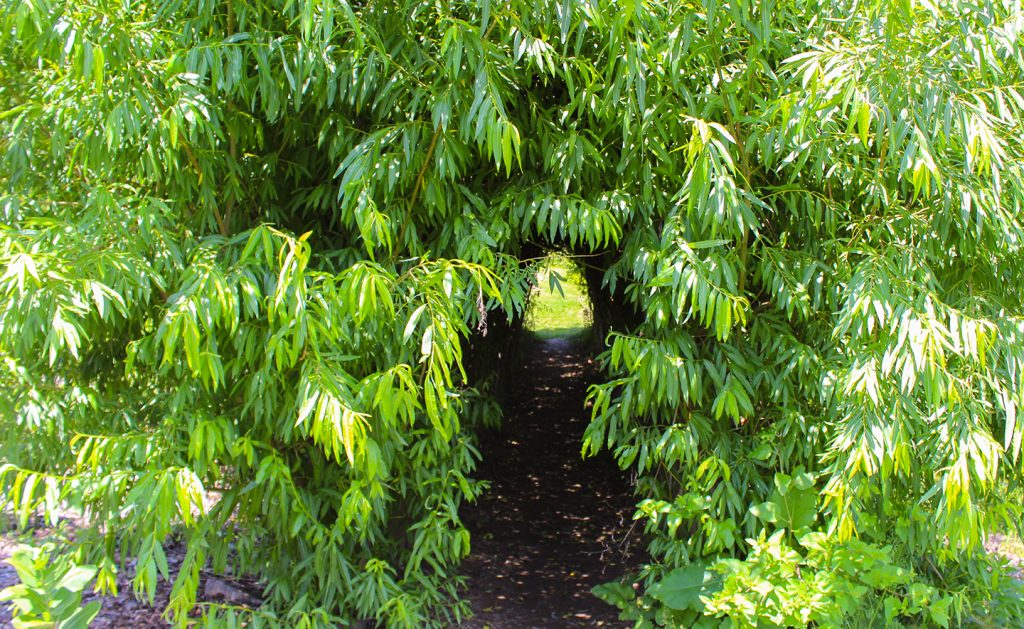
(553, 525)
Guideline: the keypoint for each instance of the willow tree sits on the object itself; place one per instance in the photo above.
(245, 245)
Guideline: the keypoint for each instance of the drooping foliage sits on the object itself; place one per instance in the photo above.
(245, 245)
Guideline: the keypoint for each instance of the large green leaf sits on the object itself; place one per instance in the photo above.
(76, 578)
(82, 617)
(794, 503)
(681, 588)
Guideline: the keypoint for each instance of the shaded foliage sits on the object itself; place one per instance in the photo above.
(244, 244)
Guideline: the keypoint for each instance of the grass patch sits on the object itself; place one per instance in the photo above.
(1011, 547)
(559, 307)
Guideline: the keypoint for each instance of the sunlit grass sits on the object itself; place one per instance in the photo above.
(1011, 547)
(554, 313)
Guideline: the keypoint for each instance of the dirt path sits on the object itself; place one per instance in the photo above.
(553, 525)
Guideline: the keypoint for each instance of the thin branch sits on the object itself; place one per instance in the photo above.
(423, 169)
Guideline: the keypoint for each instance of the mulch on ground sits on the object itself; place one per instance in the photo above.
(553, 524)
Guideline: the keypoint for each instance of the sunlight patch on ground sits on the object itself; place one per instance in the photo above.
(558, 313)
(1009, 546)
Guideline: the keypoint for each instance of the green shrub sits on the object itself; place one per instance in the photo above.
(50, 593)
(249, 251)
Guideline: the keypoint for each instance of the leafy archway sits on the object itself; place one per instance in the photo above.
(551, 524)
(245, 244)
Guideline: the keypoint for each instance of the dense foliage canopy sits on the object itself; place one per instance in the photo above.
(250, 249)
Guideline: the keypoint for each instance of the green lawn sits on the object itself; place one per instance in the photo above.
(555, 313)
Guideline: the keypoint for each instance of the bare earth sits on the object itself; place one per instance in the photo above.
(553, 525)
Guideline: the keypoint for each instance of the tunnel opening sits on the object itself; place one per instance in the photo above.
(552, 525)
(559, 306)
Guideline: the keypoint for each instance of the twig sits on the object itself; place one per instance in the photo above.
(423, 169)
(418, 186)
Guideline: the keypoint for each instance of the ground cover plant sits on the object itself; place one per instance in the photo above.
(50, 594)
(558, 305)
(254, 255)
